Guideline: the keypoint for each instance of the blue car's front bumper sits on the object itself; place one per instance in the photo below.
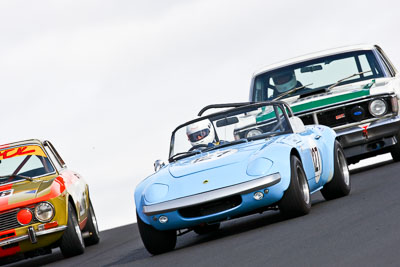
(213, 206)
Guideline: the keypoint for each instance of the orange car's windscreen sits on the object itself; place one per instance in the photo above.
(17, 163)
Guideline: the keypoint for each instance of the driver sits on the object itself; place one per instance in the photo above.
(200, 133)
(285, 81)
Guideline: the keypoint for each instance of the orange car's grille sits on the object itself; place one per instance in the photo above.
(8, 220)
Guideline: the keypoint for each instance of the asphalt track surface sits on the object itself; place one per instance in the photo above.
(362, 229)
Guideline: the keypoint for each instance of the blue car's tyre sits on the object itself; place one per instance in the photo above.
(206, 228)
(340, 184)
(296, 200)
(155, 241)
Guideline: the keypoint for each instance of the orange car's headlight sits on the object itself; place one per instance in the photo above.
(44, 212)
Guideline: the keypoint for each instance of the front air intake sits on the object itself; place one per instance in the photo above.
(211, 207)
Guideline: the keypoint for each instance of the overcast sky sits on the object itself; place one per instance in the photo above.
(108, 81)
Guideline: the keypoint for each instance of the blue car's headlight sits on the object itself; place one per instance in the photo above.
(156, 192)
(259, 167)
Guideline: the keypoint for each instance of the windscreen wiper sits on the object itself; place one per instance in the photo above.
(264, 135)
(225, 144)
(291, 91)
(342, 80)
(16, 175)
(182, 155)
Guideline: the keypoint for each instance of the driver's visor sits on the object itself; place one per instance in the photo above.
(197, 136)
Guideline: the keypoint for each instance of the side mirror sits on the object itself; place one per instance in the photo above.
(158, 164)
(297, 124)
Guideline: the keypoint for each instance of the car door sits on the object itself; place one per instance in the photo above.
(311, 157)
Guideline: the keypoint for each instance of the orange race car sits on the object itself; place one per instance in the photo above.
(42, 203)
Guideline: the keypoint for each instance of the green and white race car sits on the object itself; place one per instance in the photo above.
(355, 90)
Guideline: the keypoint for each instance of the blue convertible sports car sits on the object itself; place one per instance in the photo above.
(248, 158)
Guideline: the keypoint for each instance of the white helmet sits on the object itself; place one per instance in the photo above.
(284, 81)
(200, 132)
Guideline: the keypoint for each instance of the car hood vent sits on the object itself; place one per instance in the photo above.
(212, 160)
(23, 192)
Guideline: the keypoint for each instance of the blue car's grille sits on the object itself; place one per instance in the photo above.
(211, 207)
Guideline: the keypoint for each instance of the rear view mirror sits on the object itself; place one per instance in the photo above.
(227, 121)
(158, 164)
(311, 68)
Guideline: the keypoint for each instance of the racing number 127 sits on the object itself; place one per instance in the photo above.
(315, 158)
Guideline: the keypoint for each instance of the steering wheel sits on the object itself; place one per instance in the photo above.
(198, 146)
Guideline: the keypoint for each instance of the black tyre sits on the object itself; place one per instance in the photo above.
(155, 241)
(340, 184)
(92, 228)
(72, 242)
(296, 200)
(206, 228)
(395, 150)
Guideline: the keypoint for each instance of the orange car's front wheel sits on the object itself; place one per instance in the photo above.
(72, 241)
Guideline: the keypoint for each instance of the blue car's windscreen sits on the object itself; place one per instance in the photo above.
(247, 123)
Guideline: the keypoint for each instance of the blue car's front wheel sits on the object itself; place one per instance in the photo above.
(296, 200)
(155, 241)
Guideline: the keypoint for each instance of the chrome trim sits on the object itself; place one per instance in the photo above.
(13, 240)
(379, 122)
(242, 188)
(52, 230)
(16, 239)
